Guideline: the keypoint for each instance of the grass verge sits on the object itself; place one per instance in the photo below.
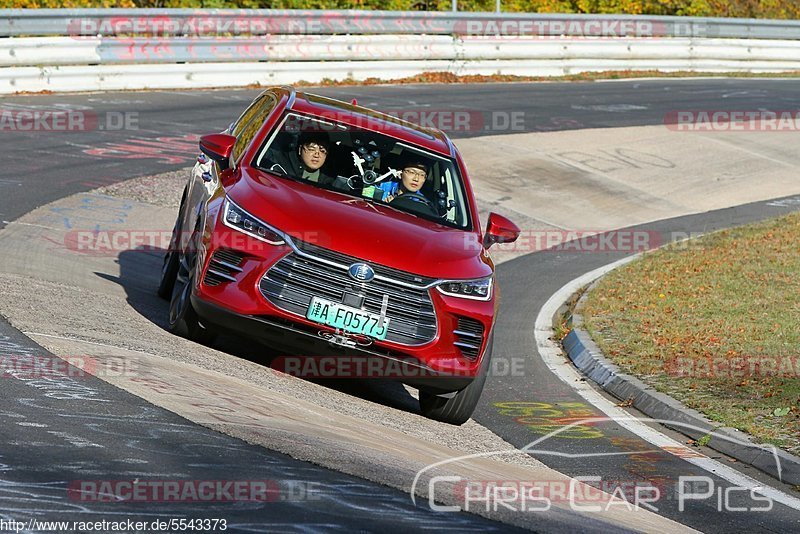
(715, 323)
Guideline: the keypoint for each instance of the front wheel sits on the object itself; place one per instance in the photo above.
(183, 320)
(169, 270)
(457, 409)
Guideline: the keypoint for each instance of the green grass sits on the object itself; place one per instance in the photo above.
(716, 324)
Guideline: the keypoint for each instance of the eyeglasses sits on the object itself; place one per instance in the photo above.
(313, 147)
(415, 172)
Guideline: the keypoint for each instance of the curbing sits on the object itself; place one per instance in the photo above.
(588, 358)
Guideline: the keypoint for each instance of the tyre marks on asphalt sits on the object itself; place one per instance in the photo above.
(61, 427)
(28, 366)
(307, 431)
(54, 176)
(271, 416)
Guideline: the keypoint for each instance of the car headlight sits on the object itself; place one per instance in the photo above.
(238, 219)
(480, 289)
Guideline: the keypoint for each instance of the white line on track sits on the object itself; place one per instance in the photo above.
(17, 223)
(562, 367)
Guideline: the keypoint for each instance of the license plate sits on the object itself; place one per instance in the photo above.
(350, 319)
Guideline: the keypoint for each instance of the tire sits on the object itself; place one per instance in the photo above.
(183, 320)
(458, 409)
(169, 270)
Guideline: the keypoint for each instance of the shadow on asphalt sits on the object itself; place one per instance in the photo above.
(139, 277)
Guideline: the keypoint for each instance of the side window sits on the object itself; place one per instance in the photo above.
(456, 214)
(249, 123)
(237, 126)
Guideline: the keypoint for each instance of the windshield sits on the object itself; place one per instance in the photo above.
(368, 165)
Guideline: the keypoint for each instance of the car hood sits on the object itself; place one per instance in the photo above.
(368, 231)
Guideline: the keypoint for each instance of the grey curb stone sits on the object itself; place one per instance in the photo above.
(588, 358)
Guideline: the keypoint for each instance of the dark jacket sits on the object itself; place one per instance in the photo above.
(290, 162)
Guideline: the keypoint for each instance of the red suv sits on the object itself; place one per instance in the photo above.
(333, 231)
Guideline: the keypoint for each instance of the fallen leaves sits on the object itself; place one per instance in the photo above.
(626, 403)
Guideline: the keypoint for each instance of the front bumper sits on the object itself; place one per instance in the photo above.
(233, 299)
(294, 339)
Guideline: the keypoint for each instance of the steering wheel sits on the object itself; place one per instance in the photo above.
(417, 204)
(278, 167)
(352, 182)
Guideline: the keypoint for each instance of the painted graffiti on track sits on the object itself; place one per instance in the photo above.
(168, 150)
(544, 418)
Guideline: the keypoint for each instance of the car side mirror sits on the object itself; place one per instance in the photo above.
(218, 147)
(499, 230)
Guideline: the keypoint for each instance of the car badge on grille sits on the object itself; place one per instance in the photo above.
(361, 272)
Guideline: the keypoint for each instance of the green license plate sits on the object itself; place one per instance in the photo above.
(350, 319)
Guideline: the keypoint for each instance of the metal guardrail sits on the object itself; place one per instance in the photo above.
(101, 49)
(189, 22)
(203, 75)
(57, 51)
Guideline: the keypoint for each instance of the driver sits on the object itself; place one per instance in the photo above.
(412, 178)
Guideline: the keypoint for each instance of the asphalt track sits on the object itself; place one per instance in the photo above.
(63, 432)
(530, 404)
(40, 167)
(45, 166)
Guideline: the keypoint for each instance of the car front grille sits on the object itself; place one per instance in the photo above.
(222, 267)
(469, 335)
(294, 280)
(380, 270)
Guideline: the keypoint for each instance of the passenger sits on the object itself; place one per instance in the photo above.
(412, 178)
(307, 162)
